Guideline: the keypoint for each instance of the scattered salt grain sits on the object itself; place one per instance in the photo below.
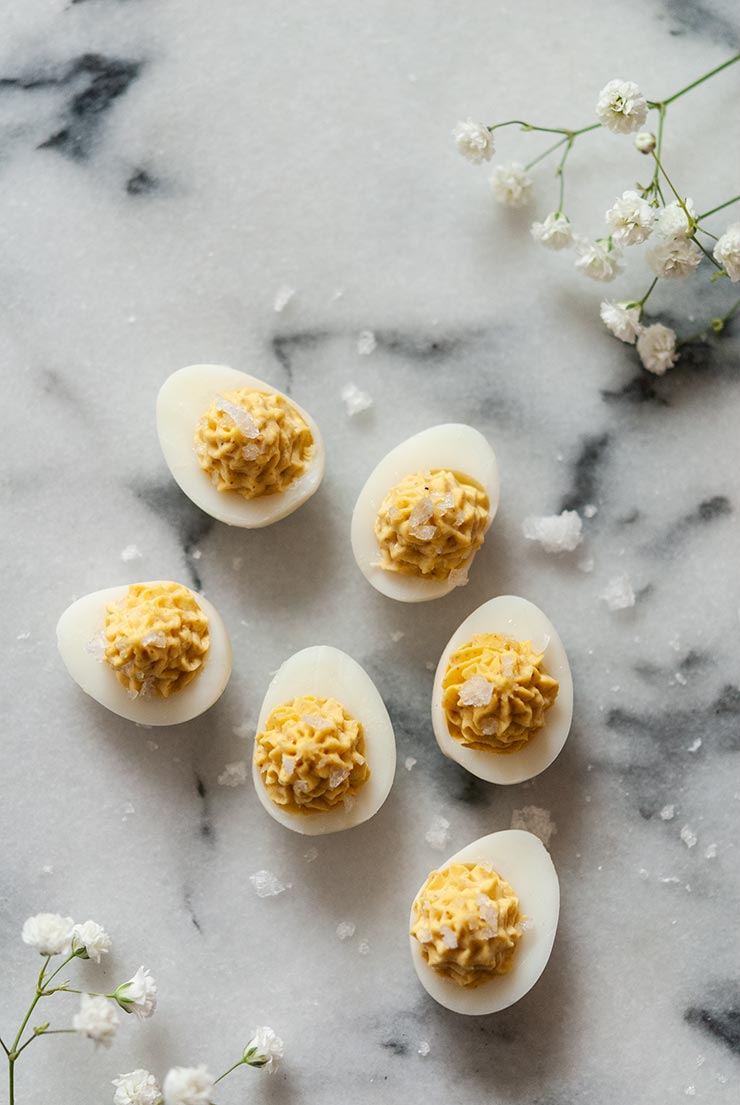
(283, 296)
(266, 885)
(355, 400)
(680, 678)
(234, 774)
(688, 836)
(423, 1048)
(196, 554)
(475, 692)
(488, 910)
(252, 451)
(397, 635)
(311, 854)
(429, 664)
(711, 851)
(644, 873)
(288, 765)
(668, 813)
(438, 832)
(690, 1091)
(458, 577)
(131, 552)
(535, 820)
(366, 343)
(423, 533)
(243, 730)
(448, 936)
(669, 879)
(47, 869)
(590, 510)
(241, 418)
(555, 532)
(695, 745)
(23, 636)
(586, 564)
(409, 762)
(619, 593)
(96, 646)
(345, 930)
(363, 947)
(314, 721)
(337, 776)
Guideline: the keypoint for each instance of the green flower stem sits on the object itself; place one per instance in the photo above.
(716, 324)
(46, 1032)
(707, 254)
(640, 303)
(546, 153)
(697, 82)
(229, 1071)
(42, 991)
(2, 1045)
(544, 130)
(560, 171)
(719, 207)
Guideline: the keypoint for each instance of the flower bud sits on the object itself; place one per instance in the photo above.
(645, 141)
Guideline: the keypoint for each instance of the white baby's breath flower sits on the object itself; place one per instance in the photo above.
(511, 184)
(598, 260)
(138, 995)
(555, 232)
(188, 1086)
(621, 320)
(96, 1019)
(656, 347)
(645, 141)
(621, 107)
(139, 1087)
(727, 252)
(90, 941)
(671, 221)
(674, 258)
(630, 219)
(264, 1050)
(49, 933)
(474, 141)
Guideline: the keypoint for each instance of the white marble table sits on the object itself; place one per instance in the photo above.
(165, 167)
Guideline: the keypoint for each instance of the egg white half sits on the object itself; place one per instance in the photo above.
(523, 861)
(183, 398)
(515, 617)
(454, 446)
(85, 618)
(327, 672)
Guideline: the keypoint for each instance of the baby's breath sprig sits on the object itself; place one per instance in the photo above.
(659, 210)
(57, 937)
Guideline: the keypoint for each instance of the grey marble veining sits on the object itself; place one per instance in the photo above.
(167, 165)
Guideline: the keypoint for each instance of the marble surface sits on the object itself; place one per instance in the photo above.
(165, 167)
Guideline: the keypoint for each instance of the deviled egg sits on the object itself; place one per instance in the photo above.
(241, 450)
(502, 702)
(325, 753)
(482, 927)
(424, 513)
(155, 653)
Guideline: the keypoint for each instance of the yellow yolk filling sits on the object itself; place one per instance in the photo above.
(431, 524)
(467, 922)
(253, 442)
(311, 755)
(155, 639)
(495, 694)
